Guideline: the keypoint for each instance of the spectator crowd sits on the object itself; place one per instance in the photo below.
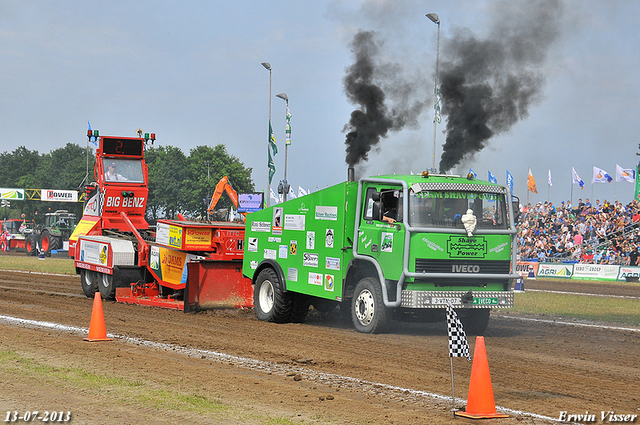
(600, 233)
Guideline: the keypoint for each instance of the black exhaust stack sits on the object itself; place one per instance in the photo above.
(351, 174)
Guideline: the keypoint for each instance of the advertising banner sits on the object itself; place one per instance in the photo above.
(169, 235)
(12, 194)
(555, 270)
(250, 202)
(595, 271)
(626, 271)
(58, 195)
(525, 269)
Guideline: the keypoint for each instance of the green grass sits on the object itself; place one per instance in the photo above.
(138, 393)
(615, 310)
(133, 392)
(48, 265)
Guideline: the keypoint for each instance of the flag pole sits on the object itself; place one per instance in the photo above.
(453, 397)
(572, 187)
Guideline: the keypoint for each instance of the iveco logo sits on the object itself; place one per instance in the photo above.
(464, 268)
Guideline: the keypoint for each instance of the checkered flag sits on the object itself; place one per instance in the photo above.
(458, 344)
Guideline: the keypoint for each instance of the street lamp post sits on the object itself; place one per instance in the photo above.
(208, 214)
(284, 97)
(436, 20)
(267, 66)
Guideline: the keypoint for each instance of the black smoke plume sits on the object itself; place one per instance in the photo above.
(488, 85)
(383, 95)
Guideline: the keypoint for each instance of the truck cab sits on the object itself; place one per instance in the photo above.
(120, 186)
(394, 246)
(450, 243)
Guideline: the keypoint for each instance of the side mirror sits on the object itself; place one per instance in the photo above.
(375, 196)
(377, 210)
(515, 204)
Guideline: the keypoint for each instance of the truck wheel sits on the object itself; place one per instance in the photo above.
(270, 302)
(107, 288)
(89, 280)
(475, 321)
(300, 308)
(45, 242)
(30, 246)
(368, 312)
(323, 305)
(54, 243)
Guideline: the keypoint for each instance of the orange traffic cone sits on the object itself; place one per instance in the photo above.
(97, 329)
(480, 402)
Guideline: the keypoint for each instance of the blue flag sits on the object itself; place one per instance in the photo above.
(93, 139)
(510, 181)
(492, 178)
(475, 176)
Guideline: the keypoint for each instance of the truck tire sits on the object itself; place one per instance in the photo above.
(89, 281)
(300, 308)
(270, 302)
(55, 242)
(30, 246)
(45, 242)
(323, 305)
(475, 321)
(368, 312)
(106, 286)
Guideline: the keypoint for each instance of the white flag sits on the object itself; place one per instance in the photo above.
(292, 194)
(550, 184)
(301, 192)
(576, 178)
(274, 196)
(601, 176)
(626, 174)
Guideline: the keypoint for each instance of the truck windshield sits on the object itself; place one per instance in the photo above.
(445, 209)
(123, 170)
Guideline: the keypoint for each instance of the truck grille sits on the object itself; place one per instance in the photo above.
(424, 265)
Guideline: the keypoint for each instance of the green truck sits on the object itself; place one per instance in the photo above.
(391, 247)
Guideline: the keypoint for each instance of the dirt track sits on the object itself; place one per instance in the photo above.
(319, 372)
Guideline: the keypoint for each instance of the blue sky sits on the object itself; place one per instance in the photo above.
(191, 73)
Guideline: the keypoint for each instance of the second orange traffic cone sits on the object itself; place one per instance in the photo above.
(480, 402)
(97, 329)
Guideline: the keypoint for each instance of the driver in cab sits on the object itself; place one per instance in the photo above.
(392, 205)
(112, 174)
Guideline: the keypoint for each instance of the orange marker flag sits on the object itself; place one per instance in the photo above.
(531, 183)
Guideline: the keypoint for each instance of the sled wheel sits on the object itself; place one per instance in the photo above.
(89, 280)
(107, 288)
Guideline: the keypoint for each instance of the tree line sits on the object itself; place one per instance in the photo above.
(178, 183)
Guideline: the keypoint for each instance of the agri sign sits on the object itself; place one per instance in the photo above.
(124, 202)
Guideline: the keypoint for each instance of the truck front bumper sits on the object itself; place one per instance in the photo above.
(458, 299)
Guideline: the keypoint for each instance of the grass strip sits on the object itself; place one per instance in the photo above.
(614, 310)
(132, 392)
(48, 265)
(163, 397)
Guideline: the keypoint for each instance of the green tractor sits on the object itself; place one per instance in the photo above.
(51, 236)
